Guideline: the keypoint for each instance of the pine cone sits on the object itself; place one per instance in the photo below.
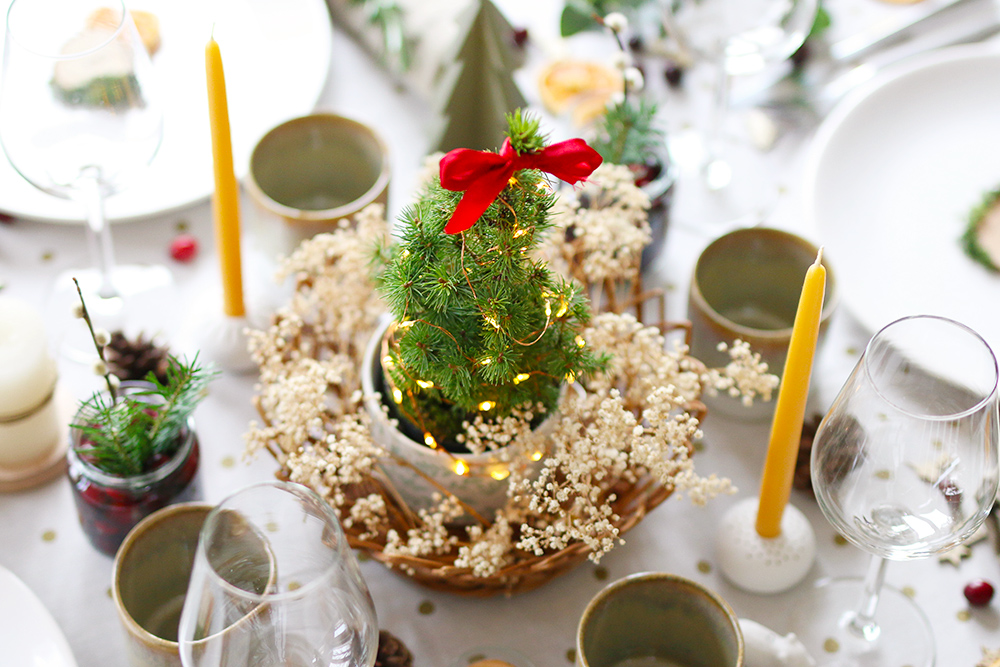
(391, 651)
(802, 479)
(135, 359)
(847, 457)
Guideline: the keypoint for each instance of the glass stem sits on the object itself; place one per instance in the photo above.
(862, 622)
(718, 173)
(93, 198)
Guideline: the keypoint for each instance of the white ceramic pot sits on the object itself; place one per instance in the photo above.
(479, 480)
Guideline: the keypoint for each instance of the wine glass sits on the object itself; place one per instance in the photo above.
(80, 118)
(904, 466)
(307, 606)
(738, 38)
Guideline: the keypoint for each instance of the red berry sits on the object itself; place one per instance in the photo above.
(978, 592)
(184, 248)
(646, 173)
(520, 36)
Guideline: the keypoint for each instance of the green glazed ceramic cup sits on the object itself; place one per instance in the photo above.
(150, 578)
(746, 285)
(151, 573)
(309, 174)
(655, 619)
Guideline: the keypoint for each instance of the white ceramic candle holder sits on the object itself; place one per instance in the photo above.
(764, 564)
(218, 338)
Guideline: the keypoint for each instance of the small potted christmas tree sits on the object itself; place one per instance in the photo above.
(484, 335)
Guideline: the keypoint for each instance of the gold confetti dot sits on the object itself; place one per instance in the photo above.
(363, 556)
(852, 351)
(426, 607)
(909, 591)
(600, 573)
(671, 287)
(108, 591)
(699, 445)
(183, 225)
(840, 540)
(883, 474)
(271, 527)
(571, 655)
(228, 462)
(49, 536)
(475, 657)
(831, 645)
(883, 417)
(294, 585)
(704, 566)
(963, 615)
(48, 255)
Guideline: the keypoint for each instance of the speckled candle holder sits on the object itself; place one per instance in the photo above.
(764, 564)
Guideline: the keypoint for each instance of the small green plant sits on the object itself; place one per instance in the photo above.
(482, 327)
(131, 433)
(627, 133)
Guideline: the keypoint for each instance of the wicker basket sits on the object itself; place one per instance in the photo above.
(527, 572)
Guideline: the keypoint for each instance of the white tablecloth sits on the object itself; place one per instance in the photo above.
(42, 543)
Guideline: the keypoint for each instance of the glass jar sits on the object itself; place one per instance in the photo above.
(110, 505)
(660, 189)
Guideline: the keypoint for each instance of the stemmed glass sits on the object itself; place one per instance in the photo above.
(275, 583)
(904, 466)
(738, 38)
(80, 118)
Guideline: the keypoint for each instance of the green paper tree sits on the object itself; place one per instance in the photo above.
(482, 328)
(478, 89)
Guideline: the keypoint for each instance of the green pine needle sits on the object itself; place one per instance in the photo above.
(627, 133)
(125, 436)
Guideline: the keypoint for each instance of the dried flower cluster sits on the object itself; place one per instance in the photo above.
(627, 430)
(602, 227)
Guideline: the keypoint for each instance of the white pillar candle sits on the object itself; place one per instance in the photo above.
(27, 381)
(27, 371)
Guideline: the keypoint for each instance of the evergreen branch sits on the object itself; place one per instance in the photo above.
(125, 434)
(626, 134)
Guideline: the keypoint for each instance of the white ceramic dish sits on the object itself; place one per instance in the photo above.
(276, 57)
(28, 633)
(891, 177)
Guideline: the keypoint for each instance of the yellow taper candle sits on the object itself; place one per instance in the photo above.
(226, 200)
(786, 429)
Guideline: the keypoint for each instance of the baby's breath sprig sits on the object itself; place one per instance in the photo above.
(100, 338)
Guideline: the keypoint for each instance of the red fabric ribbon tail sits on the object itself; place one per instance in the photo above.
(571, 160)
(477, 199)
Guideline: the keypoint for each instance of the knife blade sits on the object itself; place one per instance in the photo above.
(891, 29)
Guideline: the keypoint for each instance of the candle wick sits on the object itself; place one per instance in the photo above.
(819, 256)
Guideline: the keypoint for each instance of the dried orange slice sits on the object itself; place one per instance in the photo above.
(577, 83)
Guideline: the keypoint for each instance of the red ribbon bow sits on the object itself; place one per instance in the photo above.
(483, 174)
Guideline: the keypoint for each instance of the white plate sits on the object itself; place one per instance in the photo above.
(29, 635)
(891, 178)
(276, 55)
